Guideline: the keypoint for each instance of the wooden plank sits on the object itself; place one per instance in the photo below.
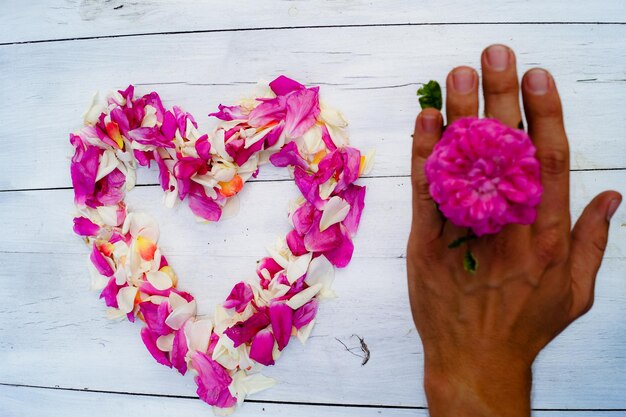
(370, 73)
(41, 221)
(24, 401)
(58, 19)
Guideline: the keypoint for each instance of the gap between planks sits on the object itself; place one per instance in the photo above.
(256, 180)
(270, 28)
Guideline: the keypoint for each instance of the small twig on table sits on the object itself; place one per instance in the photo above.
(365, 352)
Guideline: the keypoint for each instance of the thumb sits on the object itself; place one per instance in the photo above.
(589, 238)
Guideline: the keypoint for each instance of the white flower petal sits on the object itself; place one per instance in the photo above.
(98, 281)
(120, 276)
(231, 208)
(304, 332)
(108, 163)
(149, 118)
(304, 296)
(198, 334)
(159, 280)
(298, 266)
(327, 188)
(126, 299)
(312, 139)
(144, 225)
(332, 116)
(176, 301)
(108, 215)
(165, 343)
(256, 383)
(335, 211)
(91, 115)
(321, 272)
(179, 316)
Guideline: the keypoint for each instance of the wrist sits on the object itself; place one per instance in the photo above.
(481, 385)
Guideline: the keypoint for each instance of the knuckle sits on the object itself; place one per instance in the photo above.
(599, 244)
(554, 161)
(502, 86)
(551, 248)
(421, 188)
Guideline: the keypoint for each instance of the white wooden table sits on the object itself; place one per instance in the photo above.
(59, 356)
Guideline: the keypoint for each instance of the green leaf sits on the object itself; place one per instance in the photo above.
(430, 95)
(470, 264)
(458, 242)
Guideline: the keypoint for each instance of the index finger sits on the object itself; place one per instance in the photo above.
(427, 221)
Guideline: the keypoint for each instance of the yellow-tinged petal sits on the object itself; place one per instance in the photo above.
(146, 248)
(170, 272)
(232, 187)
(319, 156)
(113, 130)
(159, 280)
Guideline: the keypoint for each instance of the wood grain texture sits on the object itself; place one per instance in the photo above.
(50, 322)
(371, 74)
(61, 19)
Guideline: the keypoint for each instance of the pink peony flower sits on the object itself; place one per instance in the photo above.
(484, 175)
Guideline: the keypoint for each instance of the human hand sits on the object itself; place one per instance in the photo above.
(482, 332)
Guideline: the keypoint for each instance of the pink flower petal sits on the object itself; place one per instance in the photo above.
(341, 255)
(239, 297)
(282, 85)
(99, 261)
(154, 315)
(288, 156)
(317, 241)
(213, 381)
(355, 196)
(203, 206)
(309, 187)
(183, 170)
(150, 136)
(305, 314)
(109, 293)
(303, 107)
(302, 218)
(281, 317)
(83, 169)
(244, 331)
(203, 147)
(270, 110)
(262, 348)
(296, 243)
(85, 227)
(228, 113)
(149, 339)
(179, 351)
(169, 126)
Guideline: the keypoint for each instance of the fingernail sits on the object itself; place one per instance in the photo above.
(430, 123)
(537, 81)
(613, 205)
(463, 80)
(498, 57)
